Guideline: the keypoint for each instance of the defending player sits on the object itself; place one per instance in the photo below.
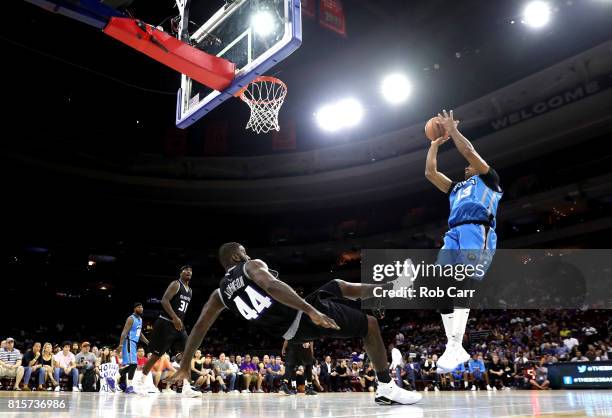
(473, 208)
(250, 291)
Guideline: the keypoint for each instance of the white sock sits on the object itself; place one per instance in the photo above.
(461, 316)
(293, 384)
(186, 384)
(448, 322)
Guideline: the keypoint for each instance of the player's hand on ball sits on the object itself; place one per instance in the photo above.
(322, 320)
(178, 324)
(439, 141)
(448, 122)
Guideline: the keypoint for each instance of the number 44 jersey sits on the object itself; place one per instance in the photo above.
(242, 296)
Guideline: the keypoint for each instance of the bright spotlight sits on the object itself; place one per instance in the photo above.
(396, 88)
(536, 14)
(327, 120)
(350, 112)
(343, 114)
(263, 23)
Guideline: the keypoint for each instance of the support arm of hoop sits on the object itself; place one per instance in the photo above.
(214, 72)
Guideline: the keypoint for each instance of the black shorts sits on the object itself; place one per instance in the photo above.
(165, 337)
(347, 314)
(298, 355)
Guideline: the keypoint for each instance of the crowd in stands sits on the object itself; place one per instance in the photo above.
(510, 349)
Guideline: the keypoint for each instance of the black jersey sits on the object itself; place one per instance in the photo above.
(180, 301)
(243, 297)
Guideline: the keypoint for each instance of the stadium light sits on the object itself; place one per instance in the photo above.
(536, 14)
(345, 113)
(263, 23)
(396, 88)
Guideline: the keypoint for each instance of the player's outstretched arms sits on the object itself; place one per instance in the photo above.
(432, 174)
(281, 292)
(464, 146)
(210, 312)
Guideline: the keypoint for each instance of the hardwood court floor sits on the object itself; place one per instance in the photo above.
(584, 403)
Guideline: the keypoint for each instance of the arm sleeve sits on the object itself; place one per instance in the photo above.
(491, 179)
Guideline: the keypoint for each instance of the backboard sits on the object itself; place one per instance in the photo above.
(254, 34)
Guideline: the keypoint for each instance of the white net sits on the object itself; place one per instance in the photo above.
(265, 96)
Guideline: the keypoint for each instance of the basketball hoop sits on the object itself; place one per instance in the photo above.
(265, 96)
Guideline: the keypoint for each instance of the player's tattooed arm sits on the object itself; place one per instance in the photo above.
(124, 333)
(172, 290)
(441, 181)
(464, 146)
(210, 312)
(283, 293)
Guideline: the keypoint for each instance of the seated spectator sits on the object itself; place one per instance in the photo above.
(86, 364)
(570, 342)
(275, 372)
(10, 363)
(458, 375)
(430, 374)
(29, 361)
(316, 373)
(75, 348)
(369, 379)
(578, 357)
(209, 368)
(260, 373)
(45, 361)
(496, 373)
(478, 372)
(248, 372)
(355, 373)
(141, 359)
(508, 377)
(540, 381)
(162, 369)
(107, 357)
(64, 365)
(342, 377)
(224, 369)
(199, 377)
(2, 344)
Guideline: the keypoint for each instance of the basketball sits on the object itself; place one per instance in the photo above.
(433, 129)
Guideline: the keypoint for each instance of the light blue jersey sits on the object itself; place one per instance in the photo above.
(128, 352)
(473, 200)
(134, 333)
(471, 238)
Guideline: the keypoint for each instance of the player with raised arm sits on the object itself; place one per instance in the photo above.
(251, 291)
(473, 209)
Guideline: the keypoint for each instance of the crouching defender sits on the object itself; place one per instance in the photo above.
(252, 292)
(471, 237)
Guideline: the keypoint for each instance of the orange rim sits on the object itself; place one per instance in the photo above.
(260, 78)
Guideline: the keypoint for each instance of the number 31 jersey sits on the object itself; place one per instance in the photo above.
(243, 297)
